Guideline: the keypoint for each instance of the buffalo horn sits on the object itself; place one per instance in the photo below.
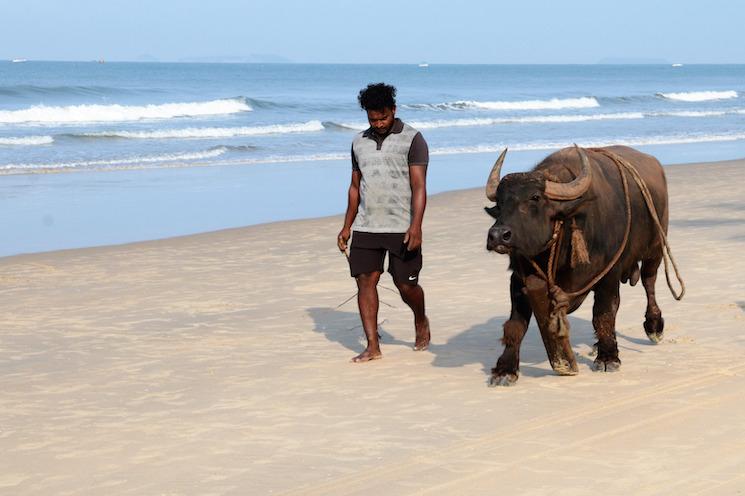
(574, 189)
(493, 181)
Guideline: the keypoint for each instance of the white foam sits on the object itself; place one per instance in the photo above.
(538, 119)
(278, 159)
(629, 141)
(192, 159)
(549, 119)
(27, 141)
(211, 132)
(491, 148)
(552, 104)
(694, 113)
(104, 164)
(700, 96)
(43, 114)
(356, 126)
(486, 121)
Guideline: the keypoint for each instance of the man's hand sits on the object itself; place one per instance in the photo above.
(413, 238)
(341, 240)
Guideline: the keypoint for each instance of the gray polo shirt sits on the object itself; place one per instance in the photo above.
(385, 189)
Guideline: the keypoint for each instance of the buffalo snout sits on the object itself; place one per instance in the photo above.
(499, 239)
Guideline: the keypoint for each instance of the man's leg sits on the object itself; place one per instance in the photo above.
(404, 266)
(367, 301)
(413, 296)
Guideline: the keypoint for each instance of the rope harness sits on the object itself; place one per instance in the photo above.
(559, 299)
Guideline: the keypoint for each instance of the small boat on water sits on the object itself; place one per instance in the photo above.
(424, 64)
(17, 61)
(677, 65)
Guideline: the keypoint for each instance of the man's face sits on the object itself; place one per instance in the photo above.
(381, 120)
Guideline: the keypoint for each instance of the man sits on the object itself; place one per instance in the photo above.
(386, 203)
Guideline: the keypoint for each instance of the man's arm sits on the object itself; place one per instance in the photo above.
(353, 203)
(418, 180)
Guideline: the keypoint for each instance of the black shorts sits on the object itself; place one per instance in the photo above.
(368, 250)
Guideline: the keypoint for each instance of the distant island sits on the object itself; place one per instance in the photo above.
(240, 59)
(631, 61)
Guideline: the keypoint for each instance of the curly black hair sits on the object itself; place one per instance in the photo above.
(377, 96)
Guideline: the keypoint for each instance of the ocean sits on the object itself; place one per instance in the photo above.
(103, 153)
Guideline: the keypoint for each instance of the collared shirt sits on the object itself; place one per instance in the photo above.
(384, 163)
(418, 153)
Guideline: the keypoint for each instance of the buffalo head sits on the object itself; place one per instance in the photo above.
(527, 204)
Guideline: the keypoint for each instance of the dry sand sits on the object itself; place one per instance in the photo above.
(218, 364)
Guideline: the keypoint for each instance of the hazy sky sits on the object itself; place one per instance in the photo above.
(436, 31)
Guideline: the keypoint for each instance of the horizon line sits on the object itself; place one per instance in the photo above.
(289, 62)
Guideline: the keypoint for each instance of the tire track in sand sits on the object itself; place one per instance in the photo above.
(362, 481)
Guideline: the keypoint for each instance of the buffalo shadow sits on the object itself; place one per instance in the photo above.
(479, 344)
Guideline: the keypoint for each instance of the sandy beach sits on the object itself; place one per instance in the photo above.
(219, 364)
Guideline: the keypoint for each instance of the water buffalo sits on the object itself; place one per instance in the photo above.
(578, 222)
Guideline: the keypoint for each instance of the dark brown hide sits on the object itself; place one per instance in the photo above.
(524, 219)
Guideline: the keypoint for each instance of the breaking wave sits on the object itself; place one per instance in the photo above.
(485, 121)
(208, 132)
(628, 141)
(26, 141)
(539, 119)
(553, 103)
(336, 126)
(525, 120)
(161, 159)
(235, 148)
(73, 114)
(194, 158)
(699, 96)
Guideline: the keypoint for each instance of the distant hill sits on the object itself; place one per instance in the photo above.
(632, 60)
(146, 57)
(266, 58)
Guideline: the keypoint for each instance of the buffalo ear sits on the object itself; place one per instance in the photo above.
(567, 208)
(493, 211)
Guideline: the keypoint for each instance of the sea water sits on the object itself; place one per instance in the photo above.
(94, 154)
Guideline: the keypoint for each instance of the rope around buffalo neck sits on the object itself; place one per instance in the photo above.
(559, 297)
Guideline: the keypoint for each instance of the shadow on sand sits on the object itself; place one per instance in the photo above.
(345, 328)
(478, 344)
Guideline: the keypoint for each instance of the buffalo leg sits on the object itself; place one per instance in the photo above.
(604, 321)
(555, 340)
(507, 370)
(654, 324)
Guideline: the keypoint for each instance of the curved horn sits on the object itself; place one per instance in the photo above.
(493, 181)
(574, 189)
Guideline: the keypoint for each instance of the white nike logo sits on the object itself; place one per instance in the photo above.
(412, 278)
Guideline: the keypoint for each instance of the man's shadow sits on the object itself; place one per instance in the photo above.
(478, 344)
(345, 328)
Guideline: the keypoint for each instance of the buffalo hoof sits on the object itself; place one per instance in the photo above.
(505, 380)
(564, 367)
(610, 365)
(654, 328)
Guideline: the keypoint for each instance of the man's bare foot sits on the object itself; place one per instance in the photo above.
(422, 336)
(367, 356)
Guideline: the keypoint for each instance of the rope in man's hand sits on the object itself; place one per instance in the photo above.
(345, 251)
